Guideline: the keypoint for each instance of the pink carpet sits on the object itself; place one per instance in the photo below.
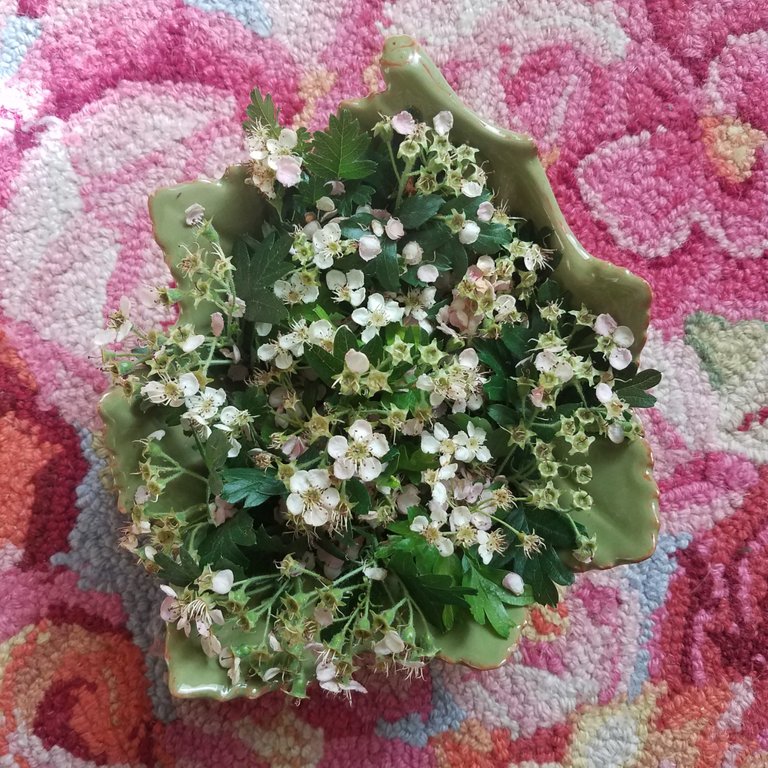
(651, 119)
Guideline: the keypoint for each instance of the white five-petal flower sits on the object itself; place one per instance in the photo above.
(379, 313)
(312, 497)
(360, 455)
(349, 287)
(327, 245)
(296, 290)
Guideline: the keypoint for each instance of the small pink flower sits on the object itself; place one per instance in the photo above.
(460, 314)
(217, 323)
(293, 447)
(537, 397)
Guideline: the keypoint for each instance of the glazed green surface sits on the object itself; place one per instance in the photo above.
(625, 515)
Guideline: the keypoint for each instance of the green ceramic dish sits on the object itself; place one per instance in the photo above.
(625, 516)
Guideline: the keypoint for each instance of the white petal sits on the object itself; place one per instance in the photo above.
(469, 233)
(222, 581)
(412, 252)
(429, 444)
(361, 430)
(370, 469)
(375, 574)
(318, 478)
(427, 273)
(441, 433)
(378, 445)
(282, 289)
(361, 316)
(403, 123)
(444, 546)
(616, 433)
(623, 336)
(357, 362)
(468, 358)
(514, 583)
(419, 525)
(315, 516)
(471, 189)
(294, 503)
(337, 447)
(325, 204)
(344, 468)
(394, 229)
(330, 498)
(603, 392)
(485, 211)
(443, 122)
(335, 279)
(357, 297)
(189, 384)
(604, 325)
(355, 278)
(369, 247)
(368, 334)
(620, 358)
(545, 361)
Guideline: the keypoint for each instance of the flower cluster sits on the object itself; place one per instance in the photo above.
(383, 425)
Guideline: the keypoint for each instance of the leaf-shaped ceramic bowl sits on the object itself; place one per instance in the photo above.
(624, 517)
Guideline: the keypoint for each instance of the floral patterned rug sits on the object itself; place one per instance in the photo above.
(651, 121)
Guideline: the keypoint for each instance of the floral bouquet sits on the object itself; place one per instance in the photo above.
(372, 427)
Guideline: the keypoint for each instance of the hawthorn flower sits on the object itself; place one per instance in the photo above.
(618, 337)
(379, 313)
(119, 327)
(349, 287)
(296, 290)
(360, 455)
(471, 445)
(489, 543)
(416, 303)
(369, 247)
(312, 498)
(233, 419)
(170, 391)
(547, 361)
(319, 333)
(390, 644)
(439, 441)
(205, 406)
(273, 351)
(431, 531)
(287, 167)
(327, 245)
(327, 675)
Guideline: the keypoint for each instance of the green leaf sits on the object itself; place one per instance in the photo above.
(430, 591)
(269, 259)
(637, 398)
(340, 152)
(265, 307)
(224, 541)
(182, 573)
(503, 415)
(261, 110)
(490, 354)
(555, 568)
(516, 339)
(387, 269)
(555, 527)
(268, 542)
(359, 496)
(544, 590)
(323, 363)
(250, 485)
(492, 238)
(418, 209)
(343, 342)
(646, 379)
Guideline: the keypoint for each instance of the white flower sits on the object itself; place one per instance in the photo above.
(391, 643)
(360, 456)
(427, 273)
(443, 122)
(119, 328)
(369, 247)
(416, 303)
(379, 313)
(404, 123)
(349, 287)
(169, 391)
(438, 441)
(471, 188)
(375, 574)
(486, 547)
(312, 498)
(327, 245)
(273, 351)
(548, 361)
(357, 362)
(206, 405)
(469, 233)
(222, 581)
(471, 445)
(194, 214)
(295, 290)
(621, 337)
(485, 211)
(514, 583)
(430, 530)
(412, 253)
(320, 333)
(233, 419)
(394, 228)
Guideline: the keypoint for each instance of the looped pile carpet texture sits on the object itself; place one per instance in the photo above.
(651, 119)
